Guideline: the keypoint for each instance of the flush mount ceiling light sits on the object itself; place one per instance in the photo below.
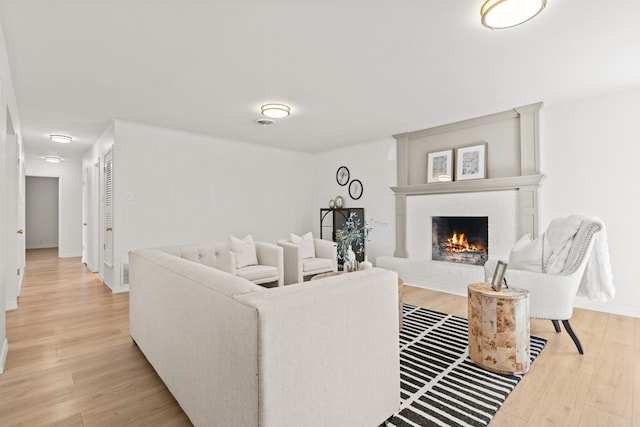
(275, 111)
(499, 14)
(52, 159)
(62, 139)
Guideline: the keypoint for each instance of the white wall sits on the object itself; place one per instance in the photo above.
(69, 173)
(41, 227)
(7, 103)
(174, 187)
(374, 164)
(589, 155)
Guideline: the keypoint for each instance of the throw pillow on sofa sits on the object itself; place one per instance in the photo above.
(305, 243)
(244, 250)
(530, 255)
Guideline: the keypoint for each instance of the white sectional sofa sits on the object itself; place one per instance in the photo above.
(319, 353)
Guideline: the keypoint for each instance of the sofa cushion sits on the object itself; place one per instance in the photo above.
(315, 264)
(258, 273)
(244, 250)
(305, 243)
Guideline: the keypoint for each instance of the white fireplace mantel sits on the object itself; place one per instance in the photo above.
(516, 133)
(492, 184)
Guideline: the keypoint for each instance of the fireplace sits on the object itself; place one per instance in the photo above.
(460, 239)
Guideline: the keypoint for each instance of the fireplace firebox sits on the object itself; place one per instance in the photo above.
(460, 239)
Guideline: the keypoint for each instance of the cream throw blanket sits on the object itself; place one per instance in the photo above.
(597, 281)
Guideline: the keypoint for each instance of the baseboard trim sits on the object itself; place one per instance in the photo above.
(120, 290)
(3, 354)
(69, 254)
(609, 307)
(11, 305)
(580, 302)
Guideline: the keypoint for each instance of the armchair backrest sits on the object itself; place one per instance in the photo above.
(580, 248)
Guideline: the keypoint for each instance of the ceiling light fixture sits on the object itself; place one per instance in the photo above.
(500, 14)
(62, 139)
(275, 111)
(52, 159)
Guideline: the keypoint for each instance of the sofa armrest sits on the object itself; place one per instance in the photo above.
(269, 254)
(327, 249)
(292, 262)
(317, 345)
(551, 296)
(200, 341)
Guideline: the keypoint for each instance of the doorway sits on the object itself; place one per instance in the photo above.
(41, 212)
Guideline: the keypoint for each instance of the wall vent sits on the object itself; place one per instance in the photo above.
(124, 273)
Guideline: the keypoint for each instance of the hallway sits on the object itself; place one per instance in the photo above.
(71, 361)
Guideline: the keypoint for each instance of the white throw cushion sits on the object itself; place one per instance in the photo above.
(305, 243)
(244, 250)
(529, 255)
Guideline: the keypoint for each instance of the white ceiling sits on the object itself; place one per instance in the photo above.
(352, 71)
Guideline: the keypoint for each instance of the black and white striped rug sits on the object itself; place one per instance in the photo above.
(440, 385)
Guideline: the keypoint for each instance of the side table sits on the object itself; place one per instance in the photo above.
(499, 338)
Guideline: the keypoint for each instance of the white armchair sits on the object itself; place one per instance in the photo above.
(307, 258)
(551, 296)
(258, 262)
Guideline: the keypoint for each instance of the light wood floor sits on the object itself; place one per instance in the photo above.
(71, 361)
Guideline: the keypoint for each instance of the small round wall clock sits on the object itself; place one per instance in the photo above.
(342, 175)
(355, 189)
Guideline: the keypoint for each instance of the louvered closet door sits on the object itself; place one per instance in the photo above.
(108, 211)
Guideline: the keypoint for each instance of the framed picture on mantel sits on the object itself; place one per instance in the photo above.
(440, 166)
(471, 162)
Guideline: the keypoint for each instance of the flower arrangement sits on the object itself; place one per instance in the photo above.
(352, 233)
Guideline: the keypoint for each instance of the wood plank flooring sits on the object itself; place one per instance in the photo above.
(71, 361)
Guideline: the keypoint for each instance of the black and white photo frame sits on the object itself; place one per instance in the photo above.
(355, 189)
(342, 176)
(471, 162)
(440, 166)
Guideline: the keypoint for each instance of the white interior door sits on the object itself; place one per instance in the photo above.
(21, 215)
(85, 216)
(14, 271)
(108, 219)
(92, 229)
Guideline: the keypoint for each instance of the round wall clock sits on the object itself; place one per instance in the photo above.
(342, 175)
(355, 189)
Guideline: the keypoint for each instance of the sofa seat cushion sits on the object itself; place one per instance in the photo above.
(313, 265)
(259, 273)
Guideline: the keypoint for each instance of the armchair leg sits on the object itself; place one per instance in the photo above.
(573, 336)
(556, 325)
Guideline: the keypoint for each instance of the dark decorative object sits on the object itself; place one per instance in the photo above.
(342, 175)
(332, 220)
(355, 189)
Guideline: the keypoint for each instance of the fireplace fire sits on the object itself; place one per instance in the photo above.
(460, 239)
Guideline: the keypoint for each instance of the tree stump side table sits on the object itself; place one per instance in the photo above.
(499, 338)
